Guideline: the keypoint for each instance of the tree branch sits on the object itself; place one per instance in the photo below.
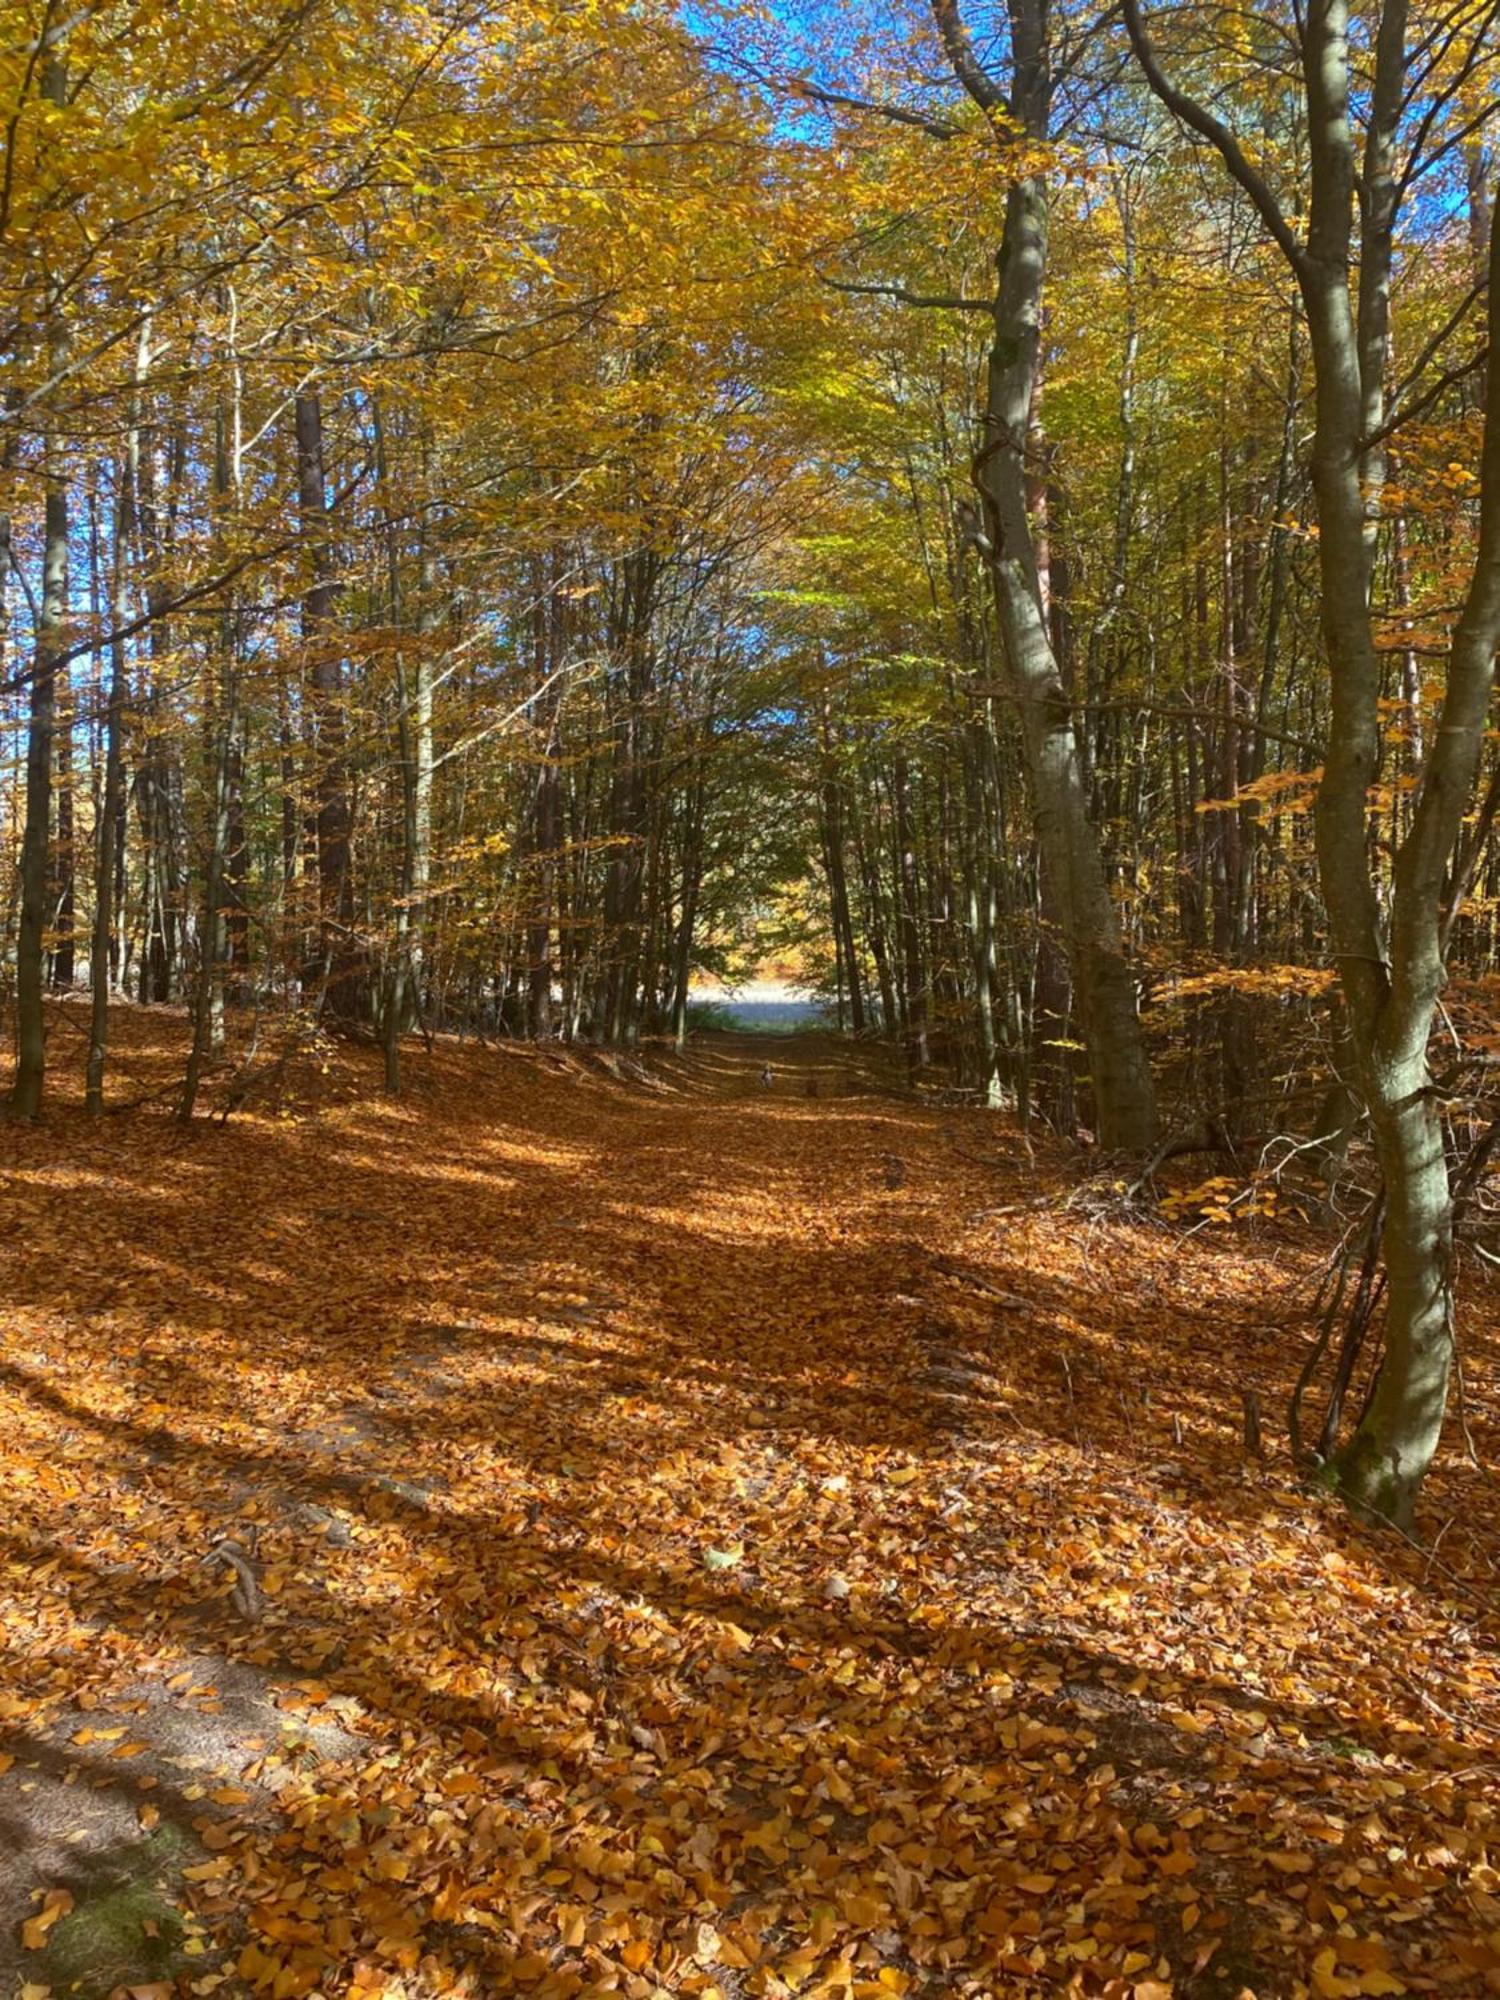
(1406, 413)
(1199, 119)
(166, 608)
(967, 67)
(899, 114)
(947, 301)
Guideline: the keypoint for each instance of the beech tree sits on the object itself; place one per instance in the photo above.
(602, 503)
(1404, 75)
(1021, 106)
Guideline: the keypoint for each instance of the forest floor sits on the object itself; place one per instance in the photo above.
(590, 1528)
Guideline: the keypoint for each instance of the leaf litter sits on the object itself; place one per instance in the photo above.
(555, 1536)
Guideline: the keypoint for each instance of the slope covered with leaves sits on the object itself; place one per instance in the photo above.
(594, 1529)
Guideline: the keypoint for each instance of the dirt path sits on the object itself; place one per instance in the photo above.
(601, 1529)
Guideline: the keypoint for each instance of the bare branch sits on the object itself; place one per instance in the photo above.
(1406, 413)
(899, 114)
(967, 67)
(1199, 119)
(944, 301)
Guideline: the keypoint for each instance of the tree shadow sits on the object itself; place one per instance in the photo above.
(537, 1416)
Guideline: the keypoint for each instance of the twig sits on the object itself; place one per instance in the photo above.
(245, 1596)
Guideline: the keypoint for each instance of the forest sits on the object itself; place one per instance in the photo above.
(527, 526)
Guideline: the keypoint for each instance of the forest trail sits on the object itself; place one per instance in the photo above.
(598, 1526)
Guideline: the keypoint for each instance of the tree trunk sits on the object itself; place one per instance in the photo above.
(63, 954)
(908, 924)
(692, 884)
(221, 728)
(31, 1058)
(874, 924)
(337, 969)
(838, 886)
(1391, 969)
(1124, 1093)
(111, 818)
(31, 937)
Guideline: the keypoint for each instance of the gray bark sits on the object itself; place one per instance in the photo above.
(111, 817)
(1104, 985)
(1391, 970)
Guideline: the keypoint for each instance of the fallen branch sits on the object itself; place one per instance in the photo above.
(245, 1596)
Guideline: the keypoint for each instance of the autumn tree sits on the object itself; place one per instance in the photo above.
(1019, 104)
(1382, 93)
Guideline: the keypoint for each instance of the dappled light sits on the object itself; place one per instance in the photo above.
(606, 1538)
(750, 977)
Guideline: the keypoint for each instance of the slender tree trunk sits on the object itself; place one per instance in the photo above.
(908, 922)
(875, 926)
(111, 817)
(338, 969)
(31, 1061)
(31, 938)
(1124, 1093)
(221, 731)
(692, 884)
(546, 811)
(63, 954)
(206, 992)
(838, 888)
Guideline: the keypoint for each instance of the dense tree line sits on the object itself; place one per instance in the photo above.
(507, 510)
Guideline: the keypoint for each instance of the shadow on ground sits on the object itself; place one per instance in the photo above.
(630, 1525)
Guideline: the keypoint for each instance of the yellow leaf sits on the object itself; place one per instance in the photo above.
(56, 1903)
(207, 1871)
(1326, 1982)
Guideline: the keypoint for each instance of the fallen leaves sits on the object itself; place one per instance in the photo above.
(730, 1594)
(56, 1903)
